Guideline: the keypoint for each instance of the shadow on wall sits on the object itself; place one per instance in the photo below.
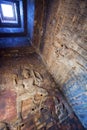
(76, 92)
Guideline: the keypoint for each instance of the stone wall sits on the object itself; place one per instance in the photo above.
(29, 99)
(32, 94)
(64, 50)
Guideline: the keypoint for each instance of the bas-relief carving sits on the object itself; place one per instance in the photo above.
(28, 87)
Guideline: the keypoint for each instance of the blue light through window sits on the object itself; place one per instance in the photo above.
(8, 12)
(16, 22)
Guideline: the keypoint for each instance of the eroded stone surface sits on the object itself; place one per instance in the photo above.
(64, 51)
(7, 105)
(30, 100)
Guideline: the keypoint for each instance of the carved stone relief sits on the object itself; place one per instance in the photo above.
(36, 101)
(27, 88)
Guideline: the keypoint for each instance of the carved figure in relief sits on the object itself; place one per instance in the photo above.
(28, 88)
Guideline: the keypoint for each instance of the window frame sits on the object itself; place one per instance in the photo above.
(16, 36)
(10, 24)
